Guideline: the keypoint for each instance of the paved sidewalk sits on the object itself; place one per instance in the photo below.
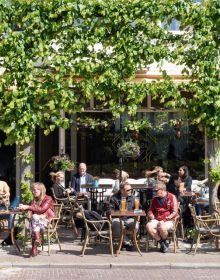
(98, 256)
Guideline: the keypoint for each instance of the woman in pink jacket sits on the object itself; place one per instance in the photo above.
(41, 209)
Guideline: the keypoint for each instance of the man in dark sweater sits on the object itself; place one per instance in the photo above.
(115, 204)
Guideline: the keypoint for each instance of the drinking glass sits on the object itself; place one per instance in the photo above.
(182, 187)
(7, 203)
(136, 203)
(123, 204)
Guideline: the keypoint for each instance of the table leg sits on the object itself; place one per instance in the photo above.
(121, 238)
(12, 232)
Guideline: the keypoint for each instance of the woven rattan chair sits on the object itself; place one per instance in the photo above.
(205, 226)
(68, 210)
(96, 229)
(51, 230)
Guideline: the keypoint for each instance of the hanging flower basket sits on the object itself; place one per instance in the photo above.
(129, 149)
(61, 163)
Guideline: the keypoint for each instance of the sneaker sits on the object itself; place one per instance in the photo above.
(163, 247)
(166, 243)
(127, 243)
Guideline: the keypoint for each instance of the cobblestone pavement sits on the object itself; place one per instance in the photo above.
(119, 274)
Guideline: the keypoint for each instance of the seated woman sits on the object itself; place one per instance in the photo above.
(173, 187)
(185, 185)
(153, 177)
(41, 210)
(59, 185)
(116, 176)
(185, 178)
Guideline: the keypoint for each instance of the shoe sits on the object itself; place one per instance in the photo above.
(188, 240)
(127, 243)
(4, 244)
(167, 243)
(33, 252)
(163, 247)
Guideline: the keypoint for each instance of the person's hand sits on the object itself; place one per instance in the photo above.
(23, 207)
(151, 217)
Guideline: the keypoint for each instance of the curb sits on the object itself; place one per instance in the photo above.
(147, 265)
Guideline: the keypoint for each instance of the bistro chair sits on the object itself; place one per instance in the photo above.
(179, 226)
(205, 226)
(97, 229)
(68, 210)
(51, 230)
(217, 207)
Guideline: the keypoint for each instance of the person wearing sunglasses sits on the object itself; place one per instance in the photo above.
(125, 192)
(161, 215)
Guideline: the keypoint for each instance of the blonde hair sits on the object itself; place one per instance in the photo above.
(160, 186)
(54, 175)
(41, 187)
(152, 173)
(124, 174)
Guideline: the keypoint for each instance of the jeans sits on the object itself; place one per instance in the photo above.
(200, 208)
(14, 204)
(128, 223)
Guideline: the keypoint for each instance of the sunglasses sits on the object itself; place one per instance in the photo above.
(129, 190)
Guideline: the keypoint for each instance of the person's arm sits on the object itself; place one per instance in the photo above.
(73, 184)
(6, 190)
(173, 208)
(89, 178)
(150, 213)
(188, 183)
(41, 209)
(58, 191)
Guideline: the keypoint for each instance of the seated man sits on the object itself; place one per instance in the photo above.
(114, 204)
(79, 179)
(162, 212)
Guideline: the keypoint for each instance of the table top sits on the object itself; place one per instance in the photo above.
(141, 186)
(202, 201)
(100, 186)
(127, 213)
(188, 194)
(9, 212)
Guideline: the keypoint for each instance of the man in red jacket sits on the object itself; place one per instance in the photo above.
(162, 212)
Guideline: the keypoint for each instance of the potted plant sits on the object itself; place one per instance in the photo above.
(129, 149)
(61, 162)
